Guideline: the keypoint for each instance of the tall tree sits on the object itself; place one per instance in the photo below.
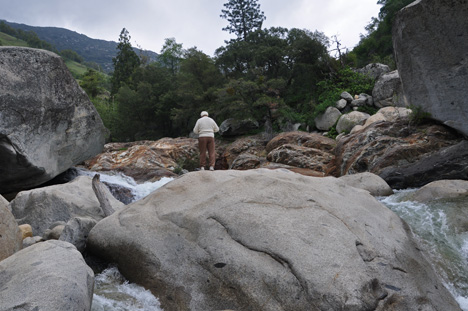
(125, 62)
(244, 16)
(171, 54)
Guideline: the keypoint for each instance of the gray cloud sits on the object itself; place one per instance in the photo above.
(191, 22)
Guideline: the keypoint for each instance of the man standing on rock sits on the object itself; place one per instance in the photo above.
(205, 128)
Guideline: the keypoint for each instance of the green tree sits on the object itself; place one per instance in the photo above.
(71, 55)
(93, 83)
(125, 62)
(377, 45)
(244, 16)
(171, 54)
(196, 86)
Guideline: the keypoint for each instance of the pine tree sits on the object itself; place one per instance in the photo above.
(125, 62)
(244, 16)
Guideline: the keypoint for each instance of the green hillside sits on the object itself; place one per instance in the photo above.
(8, 40)
(76, 69)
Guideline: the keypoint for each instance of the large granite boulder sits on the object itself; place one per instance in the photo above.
(374, 70)
(388, 91)
(302, 157)
(450, 162)
(348, 121)
(50, 276)
(42, 207)
(403, 155)
(431, 49)
(147, 160)
(47, 122)
(251, 145)
(269, 240)
(11, 239)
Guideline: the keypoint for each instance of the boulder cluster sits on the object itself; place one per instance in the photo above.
(287, 221)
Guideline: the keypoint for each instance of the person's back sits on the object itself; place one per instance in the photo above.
(205, 128)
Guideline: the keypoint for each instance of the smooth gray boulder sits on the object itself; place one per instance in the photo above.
(42, 207)
(325, 121)
(388, 91)
(50, 276)
(368, 181)
(442, 190)
(269, 240)
(11, 239)
(430, 39)
(374, 70)
(348, 121)
(47, 122)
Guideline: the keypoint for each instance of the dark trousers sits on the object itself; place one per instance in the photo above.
(207, 143)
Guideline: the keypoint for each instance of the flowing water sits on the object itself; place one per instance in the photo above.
(112, 292)
(441, 228)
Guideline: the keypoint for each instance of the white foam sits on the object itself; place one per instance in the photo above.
(113, 293)
(139, 191)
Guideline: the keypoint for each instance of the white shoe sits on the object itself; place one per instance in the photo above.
(202, 168)
(211, 168)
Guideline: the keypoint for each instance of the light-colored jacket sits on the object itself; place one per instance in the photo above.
(205, 127)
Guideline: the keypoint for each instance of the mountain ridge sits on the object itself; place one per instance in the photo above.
(97, 51)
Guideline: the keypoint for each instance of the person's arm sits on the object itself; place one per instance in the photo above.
(196, 129)
(215, 127)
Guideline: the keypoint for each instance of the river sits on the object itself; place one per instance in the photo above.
(430, 223)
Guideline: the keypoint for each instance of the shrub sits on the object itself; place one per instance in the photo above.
(345, 80)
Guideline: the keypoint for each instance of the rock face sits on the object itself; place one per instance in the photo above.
(230, 239)
(47, 122)
(43, 207)
(251, 147)
(446, 163)
(404, 156)
(430, 39)
(146, 160)
(388, 91)
(49, 276)
(11, 239)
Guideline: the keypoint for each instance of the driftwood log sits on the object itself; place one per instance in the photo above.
(102, 195)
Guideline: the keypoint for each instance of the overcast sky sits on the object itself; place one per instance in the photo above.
(190, 22)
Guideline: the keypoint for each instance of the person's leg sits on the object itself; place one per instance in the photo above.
(202, 142)
(211, 152)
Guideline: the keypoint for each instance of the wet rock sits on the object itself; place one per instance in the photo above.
(228, 239)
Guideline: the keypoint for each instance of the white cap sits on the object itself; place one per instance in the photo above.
(203, 113)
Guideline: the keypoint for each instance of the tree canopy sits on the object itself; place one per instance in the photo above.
(244, 16)
(276, 76)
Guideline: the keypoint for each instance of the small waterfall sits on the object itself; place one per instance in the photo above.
(447, 247)
(119, 180)
(112, 292)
